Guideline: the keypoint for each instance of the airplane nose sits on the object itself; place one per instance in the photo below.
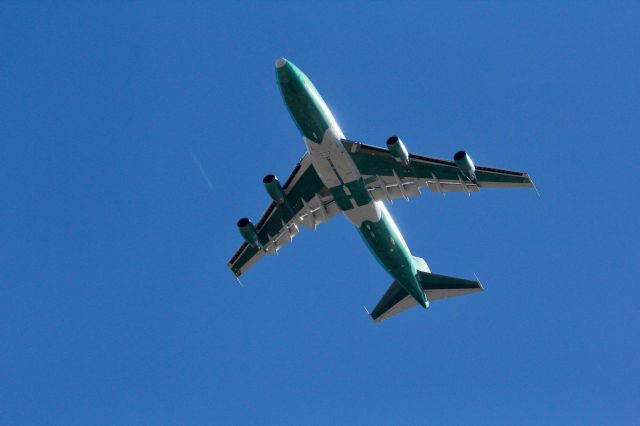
(285, 71)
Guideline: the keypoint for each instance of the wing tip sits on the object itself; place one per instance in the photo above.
(375, 321)
(533, 185)
(478, 281)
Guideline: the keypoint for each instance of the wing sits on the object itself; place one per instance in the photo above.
(387, 179)
(308, 202)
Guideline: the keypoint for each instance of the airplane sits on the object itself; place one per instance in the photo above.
(341, 175)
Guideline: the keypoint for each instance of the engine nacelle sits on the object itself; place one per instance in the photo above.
(398, 151)
(465, 165)
(272, 184)
(248, 232)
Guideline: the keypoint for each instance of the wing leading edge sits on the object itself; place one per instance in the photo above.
(308, 203)
(387, 179)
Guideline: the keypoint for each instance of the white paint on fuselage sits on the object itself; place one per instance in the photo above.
(335, 167)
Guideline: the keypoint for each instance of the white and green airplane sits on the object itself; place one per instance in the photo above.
(340, 175)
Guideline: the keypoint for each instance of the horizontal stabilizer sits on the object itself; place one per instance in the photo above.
(438, 287)
(394, 301)
(435, 287)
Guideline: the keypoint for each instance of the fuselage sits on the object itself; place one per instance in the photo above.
(323, 138)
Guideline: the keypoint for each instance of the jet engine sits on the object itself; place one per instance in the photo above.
(398, 151)
(272, 184)
(465, 165)
(248, 232)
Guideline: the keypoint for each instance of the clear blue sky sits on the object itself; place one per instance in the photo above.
(116, 306)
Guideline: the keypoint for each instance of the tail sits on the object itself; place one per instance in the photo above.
(435, 287)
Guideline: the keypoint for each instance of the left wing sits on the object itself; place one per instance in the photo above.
(387, 179)
(308, 202)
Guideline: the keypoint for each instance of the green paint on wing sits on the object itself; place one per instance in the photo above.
(379, 162)
(307, 186)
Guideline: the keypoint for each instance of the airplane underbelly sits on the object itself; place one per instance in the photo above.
(341, 176)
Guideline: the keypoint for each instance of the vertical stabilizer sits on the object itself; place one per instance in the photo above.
(421, 264)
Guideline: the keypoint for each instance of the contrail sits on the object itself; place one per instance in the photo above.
(202, 172)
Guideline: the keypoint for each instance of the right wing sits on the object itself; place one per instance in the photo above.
(387, 179)
(308, 203)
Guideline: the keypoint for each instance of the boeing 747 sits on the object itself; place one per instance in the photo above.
(340, 175)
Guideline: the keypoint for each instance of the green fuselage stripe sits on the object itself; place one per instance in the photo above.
(303, 101)
(388, 247)
(359, 192)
